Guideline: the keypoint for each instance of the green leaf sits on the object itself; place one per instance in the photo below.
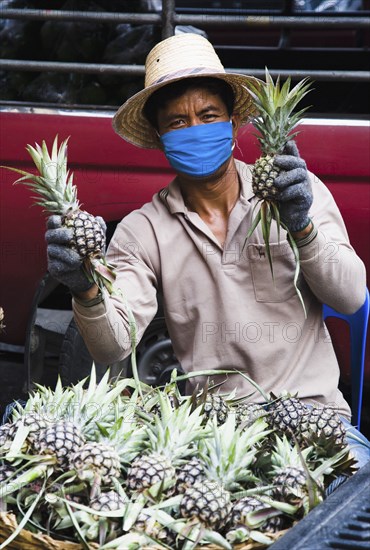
(253, 227)
(297, 266)
(76, 526)
(266, 226)
(25, 519)
(276, 216)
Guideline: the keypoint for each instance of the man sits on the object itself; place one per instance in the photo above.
(222, 308)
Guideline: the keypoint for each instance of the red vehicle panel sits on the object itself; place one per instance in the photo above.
(113, 178)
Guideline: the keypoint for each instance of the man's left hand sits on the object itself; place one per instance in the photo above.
(295, 194)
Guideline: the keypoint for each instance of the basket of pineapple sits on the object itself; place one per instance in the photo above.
(123, 465)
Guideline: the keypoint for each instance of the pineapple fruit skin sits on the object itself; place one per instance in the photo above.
(215, 406)
(290, 484)
(147, 470)
(189, 474)
(263, 178)
(88, 238)
(100, 458)
(60, 439)
(241, 508)
(206, 501)
(108, 501)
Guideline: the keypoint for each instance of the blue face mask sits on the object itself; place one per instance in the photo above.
(199, 150)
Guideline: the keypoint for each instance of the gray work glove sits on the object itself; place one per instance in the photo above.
(295, 194)
(65, 264)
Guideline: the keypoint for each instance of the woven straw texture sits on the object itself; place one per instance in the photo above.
(181, 56)
(31, 541)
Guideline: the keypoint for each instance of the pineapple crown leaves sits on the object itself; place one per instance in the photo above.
(46, 404)
(176, 432)
(230, 452)
(285, 454)
(275, 104)
(98, 399)
(53, 186)
(84, 406)
(128, 438)
(288, 455)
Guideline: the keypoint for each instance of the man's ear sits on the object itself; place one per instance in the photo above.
(235, 121)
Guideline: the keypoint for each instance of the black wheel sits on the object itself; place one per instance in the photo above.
(155, 356)
(75, 361)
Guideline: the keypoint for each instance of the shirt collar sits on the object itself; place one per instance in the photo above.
(172, 197)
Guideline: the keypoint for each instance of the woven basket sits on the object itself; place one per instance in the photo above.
(30, 541)
(26, 540)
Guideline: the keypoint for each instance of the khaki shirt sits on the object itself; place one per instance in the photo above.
(222, 307)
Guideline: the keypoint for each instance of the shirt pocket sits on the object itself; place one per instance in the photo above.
(281, 287)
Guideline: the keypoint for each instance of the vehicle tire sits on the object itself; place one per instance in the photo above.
(75, 361)
(155, 356)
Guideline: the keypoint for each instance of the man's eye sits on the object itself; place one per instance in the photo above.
(177, 123)
(209, 116)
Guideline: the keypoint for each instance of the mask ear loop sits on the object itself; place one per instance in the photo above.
(233, 145)
(237, 145)
(235, 141)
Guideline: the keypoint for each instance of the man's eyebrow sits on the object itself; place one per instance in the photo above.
(172, 116)
(210, 107)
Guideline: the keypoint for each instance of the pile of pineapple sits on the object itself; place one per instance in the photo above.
(124, 465)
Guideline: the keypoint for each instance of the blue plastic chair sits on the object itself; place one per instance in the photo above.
(358, 331)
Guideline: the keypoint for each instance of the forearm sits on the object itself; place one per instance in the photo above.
(329, 264)
(334, 272)
(104, 320)
(104, 327)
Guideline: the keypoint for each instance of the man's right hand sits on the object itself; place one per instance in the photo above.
(64, 264)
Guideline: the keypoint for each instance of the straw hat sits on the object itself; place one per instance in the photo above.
(181, 56)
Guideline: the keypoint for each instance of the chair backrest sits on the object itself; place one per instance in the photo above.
(358, 322)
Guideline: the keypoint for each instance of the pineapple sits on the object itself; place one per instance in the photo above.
(208, 502)
(97, 461)
(189, 474)
(296, 478)
(228, 456)
(243, 520)
(323, 423)
(216, 406)
(286, 413)
(99, 526)
(108, 501)
(149, 470)
(275, 123)
(149, 525)
(60, 439)
(35, 424)
(6, 434)
(2, 326)
(172, 438)
(56, 193)
(247, 413)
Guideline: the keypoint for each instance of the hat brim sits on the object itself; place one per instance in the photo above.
(132, 125)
